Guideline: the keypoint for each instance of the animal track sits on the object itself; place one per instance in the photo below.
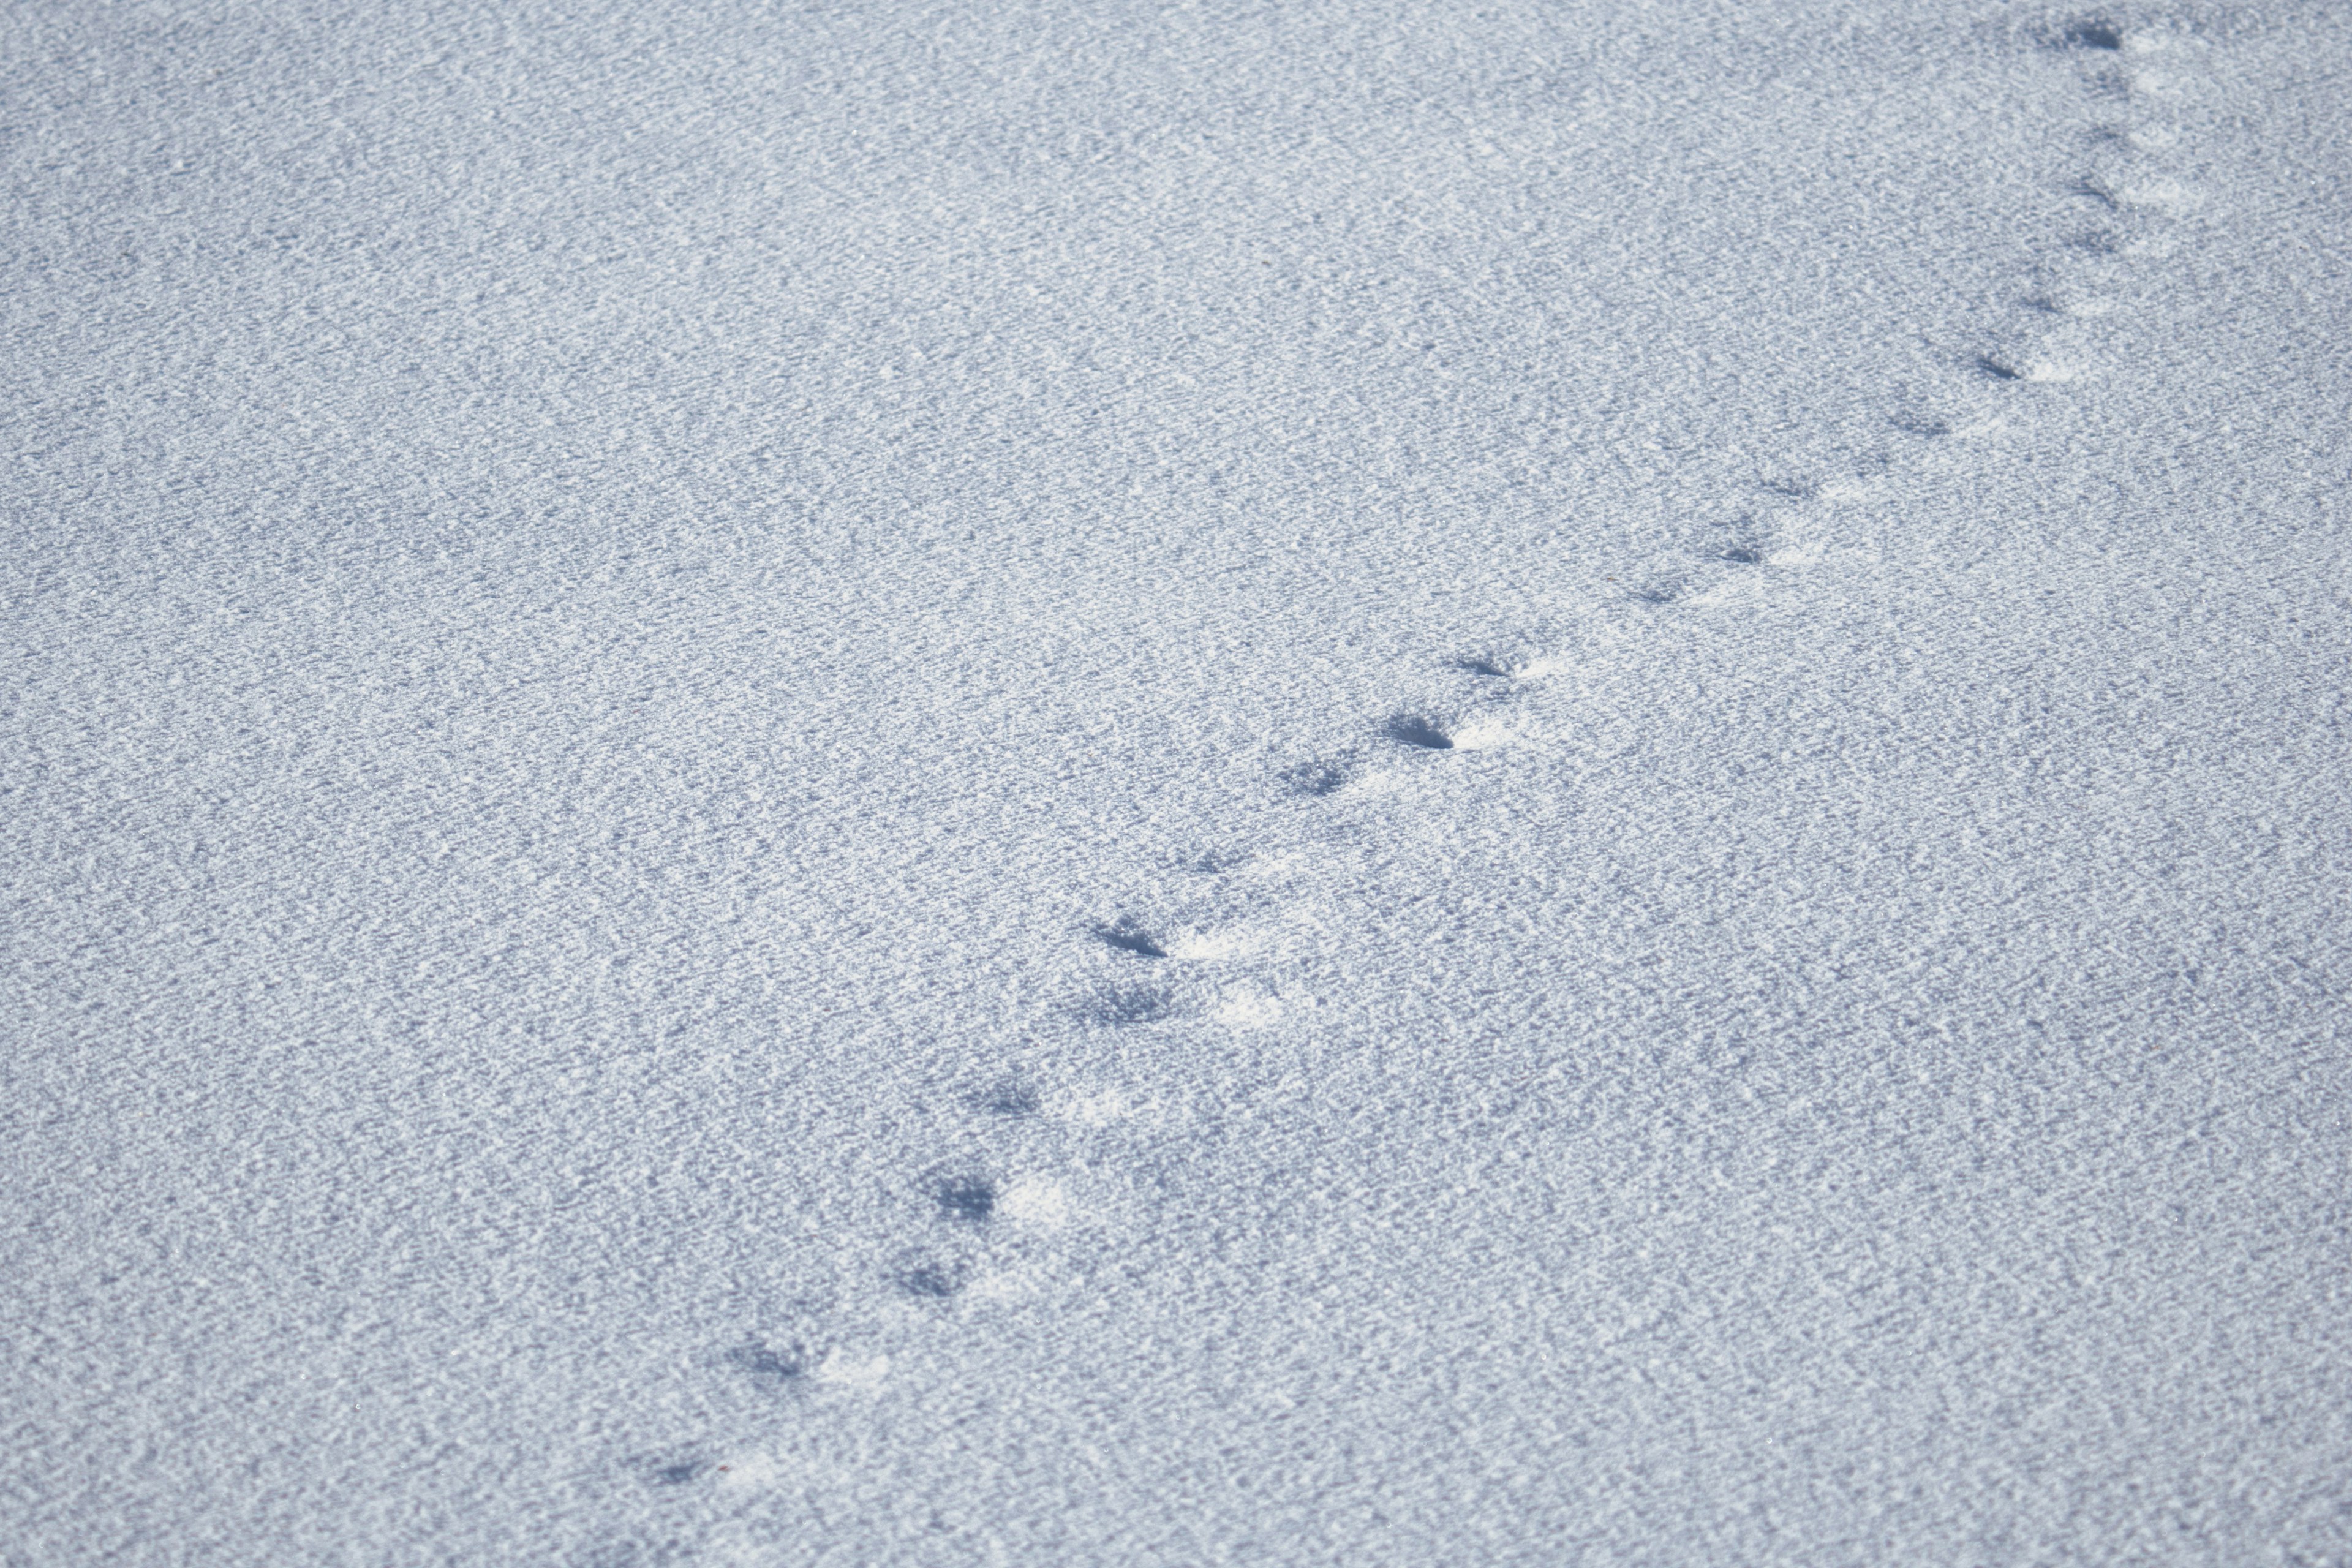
(987, 1241)
(2132, 196)
(2094, 220)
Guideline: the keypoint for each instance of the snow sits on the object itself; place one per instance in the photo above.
(1186, 784)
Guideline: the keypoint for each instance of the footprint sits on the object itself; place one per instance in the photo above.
(1129, 936)
(966, 1199)
(2091, 188)
(1664, 591)
(1316, 779)
(2091, 33)
(2038, 370)
(1121, 1006)
(1011, 1097)
(1415, 731)
(771, 1367)
(1516, 662)
(932, 1280)
(676, 1470)
(1746, 542)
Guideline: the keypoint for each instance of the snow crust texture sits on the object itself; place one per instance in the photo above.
(1200, 784)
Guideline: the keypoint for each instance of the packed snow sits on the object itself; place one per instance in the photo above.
(1556, 782)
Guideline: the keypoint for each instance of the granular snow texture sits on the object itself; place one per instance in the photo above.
(1558, 781)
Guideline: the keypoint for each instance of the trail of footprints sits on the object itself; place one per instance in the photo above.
(981, 1229)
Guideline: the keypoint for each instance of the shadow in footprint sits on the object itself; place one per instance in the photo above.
(2091, 33)
(2093, 190)
(932, 1281)
(1128, 936)
(966, 1199)
(1010, 1098)
(771, 1367)
(1989, 366)
(1124, 1005)
(1745, 543)
(1490, 669)
(1414, 731)
(678, 1473)
(1316, 778)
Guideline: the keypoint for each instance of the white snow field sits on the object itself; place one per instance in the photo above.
(1556, 782)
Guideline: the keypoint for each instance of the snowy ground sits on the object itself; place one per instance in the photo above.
(1562, 782)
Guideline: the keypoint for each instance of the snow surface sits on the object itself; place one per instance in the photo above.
(1202, 784)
